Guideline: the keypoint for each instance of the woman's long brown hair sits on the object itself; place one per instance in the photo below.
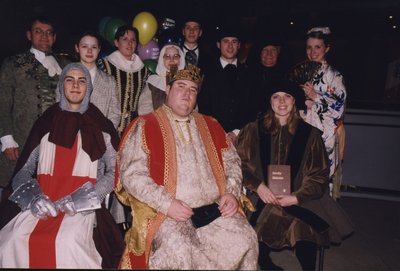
(271, 123)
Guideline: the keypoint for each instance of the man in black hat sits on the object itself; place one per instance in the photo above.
(228, 85)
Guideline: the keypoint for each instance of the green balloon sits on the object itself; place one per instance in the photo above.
(111, 28)
(151, 65)
(102, 25)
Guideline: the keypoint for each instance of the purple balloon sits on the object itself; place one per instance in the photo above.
(149, 51)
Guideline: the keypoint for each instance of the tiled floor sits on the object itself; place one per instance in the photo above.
(375, 245)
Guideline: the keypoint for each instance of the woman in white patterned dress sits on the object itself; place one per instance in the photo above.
(326, 95)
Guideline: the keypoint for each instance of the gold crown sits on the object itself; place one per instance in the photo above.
(191, 73)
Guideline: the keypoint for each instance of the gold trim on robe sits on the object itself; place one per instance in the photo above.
(159, 143)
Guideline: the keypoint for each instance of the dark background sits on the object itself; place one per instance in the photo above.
(364, 39)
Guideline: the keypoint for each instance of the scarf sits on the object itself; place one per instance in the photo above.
(118, 60)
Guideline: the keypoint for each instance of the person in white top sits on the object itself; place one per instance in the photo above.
(129, 71)
(326, 102)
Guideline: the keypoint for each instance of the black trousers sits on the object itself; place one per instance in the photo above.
(306, 253)
(264, 259)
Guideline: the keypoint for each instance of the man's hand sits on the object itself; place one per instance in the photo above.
(266, 195)
(179, 211)
(228, 205)
(66, 205)
(42, 207)
(11, 153)
(287, 200)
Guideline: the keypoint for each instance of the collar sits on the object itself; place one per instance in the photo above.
(39, 55)
(224, 63)
(186, 48)
(49, 62)
(118, 60)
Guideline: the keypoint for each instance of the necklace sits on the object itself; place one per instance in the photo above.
(178, 126)
(180, 131)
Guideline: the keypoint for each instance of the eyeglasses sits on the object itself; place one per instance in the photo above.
(38, 31)
(172, 57)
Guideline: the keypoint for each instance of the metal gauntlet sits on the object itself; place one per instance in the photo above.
(82, 199)
(25, 193)
(30, 196)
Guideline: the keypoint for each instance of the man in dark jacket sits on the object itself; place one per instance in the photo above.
(27, 88)
(228, 85)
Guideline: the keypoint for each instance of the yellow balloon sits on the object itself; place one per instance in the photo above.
(146, 23)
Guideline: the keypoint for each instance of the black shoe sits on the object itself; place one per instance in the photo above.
(264, 258)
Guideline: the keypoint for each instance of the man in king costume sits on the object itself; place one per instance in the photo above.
(64, 172)
(171, 162)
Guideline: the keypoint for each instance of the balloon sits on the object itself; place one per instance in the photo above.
(102, 25)
(146, 23)
(111, 28)
(151, 65)
(149, 51)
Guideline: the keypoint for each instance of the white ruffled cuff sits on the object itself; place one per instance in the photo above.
(7, 142)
